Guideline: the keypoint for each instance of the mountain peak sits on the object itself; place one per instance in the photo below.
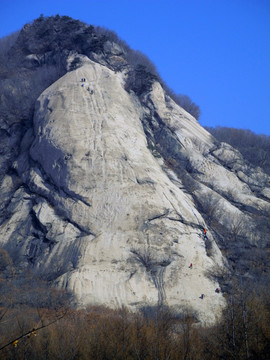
(107, 183)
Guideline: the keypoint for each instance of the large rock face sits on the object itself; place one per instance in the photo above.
(109, 195)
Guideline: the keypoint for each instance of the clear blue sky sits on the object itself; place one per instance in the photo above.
(217, 52)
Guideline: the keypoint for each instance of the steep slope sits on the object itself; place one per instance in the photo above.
(117, 230)
(107, 193)
(231, 194)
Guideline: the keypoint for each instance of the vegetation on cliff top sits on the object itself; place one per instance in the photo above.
(254, 148)
(48, 40)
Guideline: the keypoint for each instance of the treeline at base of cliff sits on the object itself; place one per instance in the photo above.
(38, 322)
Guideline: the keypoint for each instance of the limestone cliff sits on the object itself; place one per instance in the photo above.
(108, 193)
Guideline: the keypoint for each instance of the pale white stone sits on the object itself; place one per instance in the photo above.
(106, 203)
(93, 145)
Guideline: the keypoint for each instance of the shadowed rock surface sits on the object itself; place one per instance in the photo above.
(106, 190)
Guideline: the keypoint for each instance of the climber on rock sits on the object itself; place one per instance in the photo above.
(202, 296)
(190, 266)
(204, 234)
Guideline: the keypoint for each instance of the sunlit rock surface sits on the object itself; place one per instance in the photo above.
(108, 196)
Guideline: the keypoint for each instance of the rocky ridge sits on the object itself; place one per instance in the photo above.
(106, 193)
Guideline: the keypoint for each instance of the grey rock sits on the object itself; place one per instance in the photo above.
(109, 194)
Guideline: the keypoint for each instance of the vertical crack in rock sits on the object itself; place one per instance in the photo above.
(155, 267)
(157, 274)
(78, 183)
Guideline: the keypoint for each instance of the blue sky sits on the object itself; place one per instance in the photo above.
(215, 51)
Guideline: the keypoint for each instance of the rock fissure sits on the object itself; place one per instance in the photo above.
(105, 165)
(159, 216)
(155, 267)
(158, 279)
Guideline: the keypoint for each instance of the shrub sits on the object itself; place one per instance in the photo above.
(140, 80)
(5, 45)
(186, 103)
(255, 148)
(75, 63)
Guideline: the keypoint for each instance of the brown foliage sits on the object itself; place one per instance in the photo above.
(100, 333)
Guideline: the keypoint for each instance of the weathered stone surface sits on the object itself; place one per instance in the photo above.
(219, 171)
(109, 195)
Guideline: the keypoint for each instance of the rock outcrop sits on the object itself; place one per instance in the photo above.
(108, 193)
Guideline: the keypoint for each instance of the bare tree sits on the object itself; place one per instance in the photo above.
(254, 148)
(186, 103)
(237, 226)
(210, 205)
